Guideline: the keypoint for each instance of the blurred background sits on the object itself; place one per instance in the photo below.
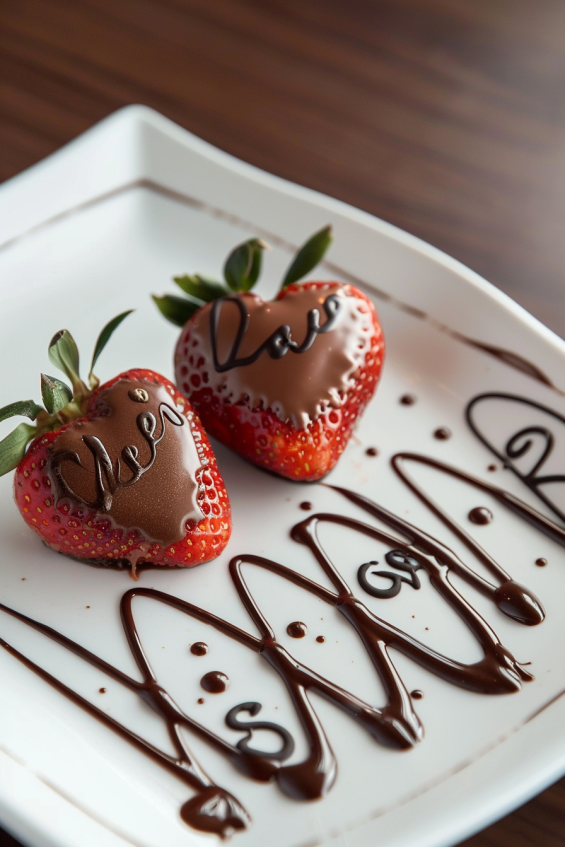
(444, 117)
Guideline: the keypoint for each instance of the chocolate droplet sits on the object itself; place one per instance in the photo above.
(214, 682)
(480, 515)
(102, 691)
(199, 648)
(320, 639)
(442, 433)
(416, 694)
(297, 629)
(214, 810)
(200, 701)
(491, 468)
(371, 451)
(407, 399)
(519, 603)
(306, 506)
(541, 563)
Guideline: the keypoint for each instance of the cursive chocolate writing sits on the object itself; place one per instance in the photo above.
(279, 343)
(108, 479)
(521, 443)
(395, 725)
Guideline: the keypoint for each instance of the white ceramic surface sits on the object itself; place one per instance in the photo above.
(94, 230)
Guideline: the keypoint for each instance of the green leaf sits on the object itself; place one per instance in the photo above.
(243, 265)
(308, 256)
(63, 353)
(56, 395)
(22, 407)
(177, 310)
(201, 288)
(13, 447)
(105, 335)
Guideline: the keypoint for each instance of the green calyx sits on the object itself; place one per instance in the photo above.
(61, 404)
(242, 269)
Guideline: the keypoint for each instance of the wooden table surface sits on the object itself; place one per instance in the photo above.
(445, 117)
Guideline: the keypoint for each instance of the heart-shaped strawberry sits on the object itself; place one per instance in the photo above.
(119, 474)
(281, 382)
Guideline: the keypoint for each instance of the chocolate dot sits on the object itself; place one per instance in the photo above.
(139, 395)
(541, 563)
(199, 648)
(442, 434)
(214, 682)
(480, 515)
(320, 639)
(102, 691)
(297, 629)
(407, 399)
(306, 506)
(416, 694)
(371, 451)
(200, 701)
(491, 468)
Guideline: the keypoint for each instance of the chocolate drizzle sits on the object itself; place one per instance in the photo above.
(521, 443)
(394, 724)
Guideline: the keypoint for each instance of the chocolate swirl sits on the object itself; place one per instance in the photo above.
(396, 724)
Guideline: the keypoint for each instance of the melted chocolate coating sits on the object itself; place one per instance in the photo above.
(250, 345)
(135, 462)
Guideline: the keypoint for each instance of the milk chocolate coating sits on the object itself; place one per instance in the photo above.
(296, 386)
(135, 462)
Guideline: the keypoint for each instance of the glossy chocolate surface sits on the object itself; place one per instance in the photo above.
(234, 332)
(135, 462)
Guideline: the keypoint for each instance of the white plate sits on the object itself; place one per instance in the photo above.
(94, 230)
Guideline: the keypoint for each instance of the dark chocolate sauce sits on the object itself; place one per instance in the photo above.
(521, 444)
(199, 648)
(371, 451)
(395, 725)
(541, 563)
(442, 434)
(407, 399)
(214, 682)
(416, 694)
(306, 506)
(480, 515)
(280, 342)
(320, 639)
(297, 629)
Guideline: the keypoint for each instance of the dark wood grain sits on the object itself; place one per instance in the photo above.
(445, 117)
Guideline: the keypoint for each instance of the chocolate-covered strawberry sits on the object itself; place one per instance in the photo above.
(281, 382)
(119, 474)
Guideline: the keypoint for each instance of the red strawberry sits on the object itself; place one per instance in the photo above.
(282, 382)
(120, 474)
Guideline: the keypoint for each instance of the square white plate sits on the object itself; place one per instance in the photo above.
(97, 228)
